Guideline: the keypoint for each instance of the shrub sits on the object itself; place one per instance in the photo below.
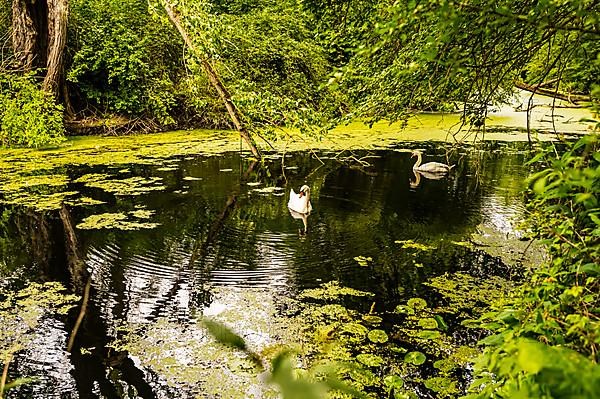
(28, 116)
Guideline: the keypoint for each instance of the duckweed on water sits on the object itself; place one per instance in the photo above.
(130, 186)
(117, 221)
(414, 245)
(331, 291)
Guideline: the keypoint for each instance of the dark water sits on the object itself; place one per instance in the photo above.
(219, 232)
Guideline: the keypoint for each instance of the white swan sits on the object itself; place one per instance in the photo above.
(300, 202)
(431, 167)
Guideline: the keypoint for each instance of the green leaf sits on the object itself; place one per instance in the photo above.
(417, 303)
(378, 336)
(416, 358)
(370, 360)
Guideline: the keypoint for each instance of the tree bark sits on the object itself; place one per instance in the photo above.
(24, 35)
(58, 11)
(215, 81)
(39, 36)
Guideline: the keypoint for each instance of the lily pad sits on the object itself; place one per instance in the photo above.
(428, 323)
(393, 382)
(429, 334)
(370, 360)
(417, 303)
(416, 358)
(355, 329)
(378, 336)
(403, 309)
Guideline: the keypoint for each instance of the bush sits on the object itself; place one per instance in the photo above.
(549, 342)
(28, 116)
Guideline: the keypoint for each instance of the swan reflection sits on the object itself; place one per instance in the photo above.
(428, 175)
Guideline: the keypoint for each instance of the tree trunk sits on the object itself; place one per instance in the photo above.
(572, 98)
(58, 11)
(214, 79)
(39, 36)
(24, 34)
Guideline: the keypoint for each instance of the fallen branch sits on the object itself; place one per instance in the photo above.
(538, 89)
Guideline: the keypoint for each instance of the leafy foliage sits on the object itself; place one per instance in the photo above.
(549, 335)
(123, 61)
(28, 116)
(433, 55)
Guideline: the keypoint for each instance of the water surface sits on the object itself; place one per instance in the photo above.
(226, 242)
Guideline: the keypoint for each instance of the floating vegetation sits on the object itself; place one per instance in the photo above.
(414, 245)
(21, 312)
(363, 261)
(167, 168)
(467, 296)
(269, 190)
(192, 178)
(372, 320)
(226, 170)
(370, 360)
(254, 183)
(443, 386)
(84, 201)
(131, 186)
(378, 336)
(117, 221)
(331, 291)
(416, 358)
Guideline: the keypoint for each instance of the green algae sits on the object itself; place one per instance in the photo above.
(17, 166)
(414, 245)
(135, 185)
(467, 296)
(331, 291)
(370, 360)
(119, 221)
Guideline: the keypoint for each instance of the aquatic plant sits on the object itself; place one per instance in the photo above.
(20, 315)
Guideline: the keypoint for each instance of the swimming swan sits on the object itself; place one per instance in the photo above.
(300, 202)
(431, 167)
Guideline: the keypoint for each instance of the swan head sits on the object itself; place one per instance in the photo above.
(415, 153)
(305, 190)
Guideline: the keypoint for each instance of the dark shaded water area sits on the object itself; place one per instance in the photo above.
(224, 229)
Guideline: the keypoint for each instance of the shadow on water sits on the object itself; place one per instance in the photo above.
(224, 223)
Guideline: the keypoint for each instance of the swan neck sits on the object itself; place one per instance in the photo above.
(419, 160)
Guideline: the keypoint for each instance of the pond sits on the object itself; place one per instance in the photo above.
(212, 235)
